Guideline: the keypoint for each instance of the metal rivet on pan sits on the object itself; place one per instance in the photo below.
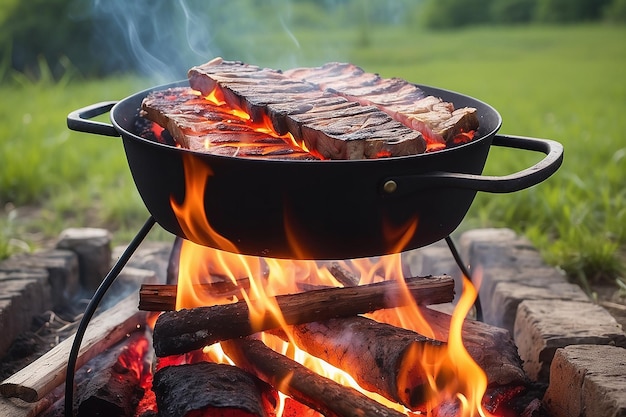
(390, 186)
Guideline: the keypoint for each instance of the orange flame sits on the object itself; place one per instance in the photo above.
(452, 376)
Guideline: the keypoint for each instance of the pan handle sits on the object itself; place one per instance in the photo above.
(492, 184)
(78, 119)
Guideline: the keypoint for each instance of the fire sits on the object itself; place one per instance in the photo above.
(452, 376)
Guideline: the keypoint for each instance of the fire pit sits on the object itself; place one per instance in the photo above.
(288, 209)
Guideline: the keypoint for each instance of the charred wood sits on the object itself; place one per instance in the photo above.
(206, 386)
(324, 395)
(108, 384)
(46, 373)
(381, 358)
(185, 330)
(114, 390)
(492, 348)
(343, 275)
(162, 297)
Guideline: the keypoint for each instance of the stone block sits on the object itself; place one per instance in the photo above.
(128, 281)
(23, 295)
(62, 268)
(153, 256)
(500, 309)
(93, 247)
(483, 235)
(587, 381)
(543, 326)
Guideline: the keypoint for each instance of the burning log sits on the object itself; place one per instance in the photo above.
(162, 297)
(381, 358)
(40, 377)
(324, 395)
(205, 386)
(343, 275)
(110, 383)
(492, 348)
(114, 387)
(177, 332)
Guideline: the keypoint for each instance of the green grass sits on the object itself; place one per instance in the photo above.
(562, 83)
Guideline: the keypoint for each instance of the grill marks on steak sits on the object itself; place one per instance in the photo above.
(327, 123)
(336, 111)
(197, 126)
(436, 119)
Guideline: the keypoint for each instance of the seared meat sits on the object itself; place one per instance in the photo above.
(405, 102)
(327, 124)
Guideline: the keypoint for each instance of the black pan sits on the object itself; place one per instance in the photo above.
(335, 209)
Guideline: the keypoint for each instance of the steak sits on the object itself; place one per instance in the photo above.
(436, 119)
(336, 111)
(200, 127)
(327, 124)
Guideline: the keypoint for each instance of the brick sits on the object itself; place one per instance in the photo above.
(93, 247)
(483, 235)
(543, 326)
(501, 308)
(23, 295)
(587, 381)
(128, 281)
(62, 268)
(63, 273)
(153, 256)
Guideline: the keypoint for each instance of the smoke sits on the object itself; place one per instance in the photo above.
(163, 39)
(159, 39)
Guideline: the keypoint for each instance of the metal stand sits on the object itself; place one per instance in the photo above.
(465, 270)
(91, 309)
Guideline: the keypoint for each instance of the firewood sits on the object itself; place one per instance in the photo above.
(109, 383)
(36, 380)
(343, 275)
(324, 395)
(381, 358)
(113, 389)
(205, 386)
(177, 332)
(491, 347)
(162, 297)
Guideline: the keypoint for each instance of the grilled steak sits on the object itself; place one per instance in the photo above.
(336, 111)
(197, 126)
(437, 120)
(327, 124)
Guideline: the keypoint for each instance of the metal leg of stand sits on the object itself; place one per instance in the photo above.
(91, 309)
(465, 270)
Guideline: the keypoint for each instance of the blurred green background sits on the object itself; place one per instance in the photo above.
(553, 68)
